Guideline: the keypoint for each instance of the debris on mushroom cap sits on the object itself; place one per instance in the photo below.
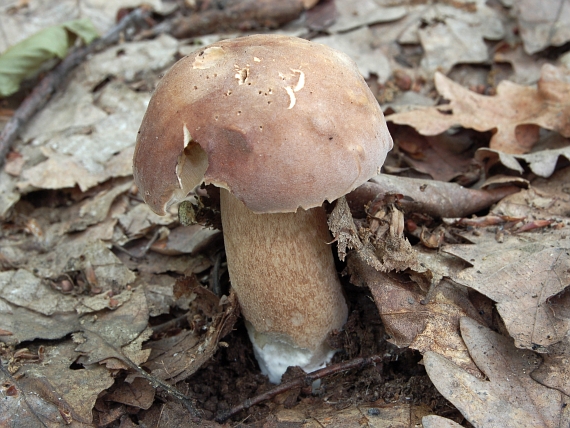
(279, 121)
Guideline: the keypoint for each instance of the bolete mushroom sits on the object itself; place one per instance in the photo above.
(280, 125)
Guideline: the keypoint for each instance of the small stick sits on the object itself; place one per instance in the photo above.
(301, 381)
(55, 78)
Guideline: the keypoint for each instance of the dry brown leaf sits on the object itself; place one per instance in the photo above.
(117, 328)
(178, 357)
(158, 291)
(554, 372)
(95, 210)
(545, 199)
(444, 157)
(49, 316)
(514, 114)
(543, 24)
(75, 254)
(510, 398)
(24, 324)
(542, 163)
(63, 171)
(520, 274)
(154, 263)
(140, 219)
(359, 44)
(192, 239)
(352, 14)
(526, 68)
(139, 393)
(22, 288)
(452, 33)
(385, 248)
(434, 421)
(55, 382)
(430, 197)
(453, 36)
(23, 408)
(172, 414)
(410, 321)
(373, 415)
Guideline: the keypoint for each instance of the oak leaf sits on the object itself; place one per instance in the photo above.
(510, 398)
(515, 114)
(521, 275)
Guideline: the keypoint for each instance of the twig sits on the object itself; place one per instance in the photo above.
(301, 381)
(54, 80)
(153, 380)
(161, 328)
(243, 15)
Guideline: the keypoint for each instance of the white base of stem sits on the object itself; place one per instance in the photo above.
(275, 356)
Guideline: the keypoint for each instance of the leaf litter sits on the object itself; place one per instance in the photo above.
(94, 286)
(510, 397)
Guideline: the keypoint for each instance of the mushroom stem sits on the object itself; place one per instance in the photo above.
(283, 272)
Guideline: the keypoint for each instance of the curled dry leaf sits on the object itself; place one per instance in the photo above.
(373, 415)
(178, 357)
(187, 240)
(515, 114)
(117, 328)
(526, 68)
(425, 326)
(545, 199)
(96, 209)
(433, 421)
(520, 274)
(510, 398)
(554, 372)
(359, 44)
(452, 35)
(541, 27)
(353, 15)
(542, 163)
(431, 197)
(140, 219)
(385, 248)
(444, 157)
(54, 384)
(139, 393)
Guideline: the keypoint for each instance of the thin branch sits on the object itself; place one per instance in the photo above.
(55, 78)
(113, 352)
(301, 381)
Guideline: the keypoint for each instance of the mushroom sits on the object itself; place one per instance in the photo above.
(280, 125)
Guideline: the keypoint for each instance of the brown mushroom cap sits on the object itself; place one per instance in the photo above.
(279, 121)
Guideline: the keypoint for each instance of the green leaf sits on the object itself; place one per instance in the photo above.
(82, 28)
(26, 58)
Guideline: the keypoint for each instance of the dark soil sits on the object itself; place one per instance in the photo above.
(233, 377)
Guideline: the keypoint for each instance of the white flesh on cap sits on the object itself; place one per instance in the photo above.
(282, 270)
